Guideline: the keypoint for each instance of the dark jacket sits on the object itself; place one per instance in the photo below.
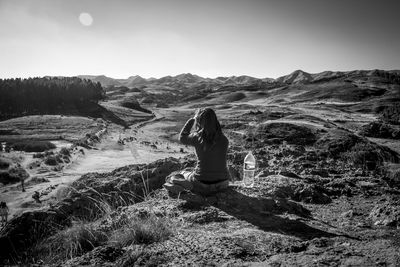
(211, 163)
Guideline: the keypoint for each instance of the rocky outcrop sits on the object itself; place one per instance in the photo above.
(122, 186)
(91, 196)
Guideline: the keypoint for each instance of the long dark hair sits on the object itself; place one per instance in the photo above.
(207, 127)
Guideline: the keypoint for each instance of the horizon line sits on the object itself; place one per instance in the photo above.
(171, 75)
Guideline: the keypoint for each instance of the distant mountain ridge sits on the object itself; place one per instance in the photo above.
(296, 77)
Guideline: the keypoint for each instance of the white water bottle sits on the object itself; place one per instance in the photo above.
(249, 170)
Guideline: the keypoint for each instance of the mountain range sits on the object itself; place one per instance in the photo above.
(296, 77)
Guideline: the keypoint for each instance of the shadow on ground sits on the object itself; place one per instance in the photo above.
(261, 212)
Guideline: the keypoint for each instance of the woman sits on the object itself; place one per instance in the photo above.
(211, 145)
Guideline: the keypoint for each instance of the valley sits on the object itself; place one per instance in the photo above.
(327, 191)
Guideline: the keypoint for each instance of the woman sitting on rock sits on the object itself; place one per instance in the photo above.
(211, 174)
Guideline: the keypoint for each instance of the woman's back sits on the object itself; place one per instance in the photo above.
(211, 146)
(212, 163)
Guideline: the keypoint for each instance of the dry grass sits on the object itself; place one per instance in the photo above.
(145, 230)
(96, 225)
(69, 243)
(84, 236)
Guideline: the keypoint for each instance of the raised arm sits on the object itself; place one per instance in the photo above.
(184, 136)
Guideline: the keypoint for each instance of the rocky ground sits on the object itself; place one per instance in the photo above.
(323, 196)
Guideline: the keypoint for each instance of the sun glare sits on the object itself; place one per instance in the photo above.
(86, 19)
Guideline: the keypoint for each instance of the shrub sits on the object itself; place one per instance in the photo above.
(14, 175)
(5, 178)
(32, 146)
(65, 151)
(38, 155)
(51, 160)
(34, 164)
(132, 103)
(4, 164)
(48, 153)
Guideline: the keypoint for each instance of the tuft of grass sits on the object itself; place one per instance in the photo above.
(95, 204)
(84, 236)
(145, 230)
(69, 243)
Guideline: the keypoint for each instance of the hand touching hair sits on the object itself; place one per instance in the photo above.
(207, 126)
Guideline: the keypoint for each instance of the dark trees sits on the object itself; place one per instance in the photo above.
(45, 95)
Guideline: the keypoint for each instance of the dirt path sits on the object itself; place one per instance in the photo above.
(144, 142)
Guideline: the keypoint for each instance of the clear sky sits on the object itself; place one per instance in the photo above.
(260, 38)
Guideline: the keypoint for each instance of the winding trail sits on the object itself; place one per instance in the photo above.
(148, 144)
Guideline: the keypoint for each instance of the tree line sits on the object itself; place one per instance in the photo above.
(47, 95)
